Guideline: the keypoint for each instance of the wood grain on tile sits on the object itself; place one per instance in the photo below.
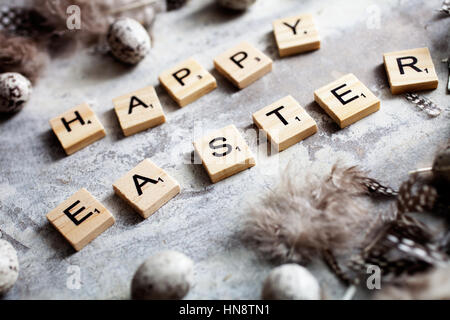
(224, 153)
(296, 34)
(410, 70)
(80, 219)
(146, 188)
(285, 122)
(138, 110)
(243, 64)
(77, 128)
(347, 100)
(187, 82)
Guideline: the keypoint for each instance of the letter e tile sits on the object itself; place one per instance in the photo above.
(347, 100)
(80, 219)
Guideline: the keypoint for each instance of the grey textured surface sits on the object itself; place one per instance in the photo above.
(204, 220)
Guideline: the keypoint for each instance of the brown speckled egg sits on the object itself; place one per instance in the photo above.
(15, 90)
(236, 4)
(9, 266)
(128, 40)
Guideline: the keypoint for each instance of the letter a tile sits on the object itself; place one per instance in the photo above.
(410, 70)
(146, 188)
(187, 82)
(347, 100)
(77, 128)
(243, 64)
(139, 110)
(224, 153)
(296, 34)
(80, 219)
(285, 122)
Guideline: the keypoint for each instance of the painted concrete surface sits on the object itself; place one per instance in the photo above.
(205, 220)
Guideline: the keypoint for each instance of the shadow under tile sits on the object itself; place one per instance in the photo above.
(52, 144)
(124, 214)
(167, 103)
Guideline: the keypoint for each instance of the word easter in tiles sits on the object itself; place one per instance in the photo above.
(224, 152)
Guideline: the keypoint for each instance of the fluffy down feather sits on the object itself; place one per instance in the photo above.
(302, 219)
(22, 55)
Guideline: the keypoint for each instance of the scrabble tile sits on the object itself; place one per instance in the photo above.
(224, 153)
(285, 122)
(410, 70)
(139, 110)
(243, 64)
(77, 128)
(296, 34)
(80, 219)
(347, 100)
(146, 188)
(187, 82)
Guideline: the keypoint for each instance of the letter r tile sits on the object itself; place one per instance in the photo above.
(243, 64)
(224, 153)
(187, 82)
(80, 219)
(77, 128)
(410, 70)
(146, 188)
(285, 122)
(347, 100)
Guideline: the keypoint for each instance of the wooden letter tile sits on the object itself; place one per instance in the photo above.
(224, 153)
(139, 110)
(146, 188)
(243, 64)
(187, 82)
(77, 128)
(80, 219)
(285, 122)
(347, 100)
(410, 70)
(296, 34)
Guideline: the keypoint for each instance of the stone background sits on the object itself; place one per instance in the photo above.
(204, 221)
